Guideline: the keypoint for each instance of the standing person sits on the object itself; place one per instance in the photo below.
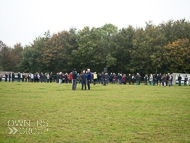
(137, 79)
(133, 79)
(13, 77)
(32, 77)
(38, 77)
(129, 79)
(120, 77)
(63, 76)
(41, 76)
(92, 78)
(6, 75)
(66, 78)
(48, 78)
(154, 79)
(185, 81)
(114, 78)
(95, 78)
(164, 79)
(57, 77)
(159, 79)
(169, 79)
(99, 77)
(102, 77)
(45, 77)
(60, 78)
(23, 77)
(124, 79)
(106, 78)
(74, 77)
(29, 77)
(18, 77)
(9, 77)
(151, 79)
(83, 79)
(51, 77)
(88, 78)
(0, 77)
(145, 79)
(80, 78)
(111, 78)
(179, 80)
(70, 77)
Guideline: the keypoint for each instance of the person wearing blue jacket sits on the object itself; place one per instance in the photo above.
(159, 79)
(89, 78)
(145, 79)
(74, 83)
(83, 79)
(9, 77)
(18, 76)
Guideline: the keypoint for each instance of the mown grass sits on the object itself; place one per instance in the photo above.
(113, 113)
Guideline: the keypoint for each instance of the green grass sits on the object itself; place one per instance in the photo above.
(113, 113)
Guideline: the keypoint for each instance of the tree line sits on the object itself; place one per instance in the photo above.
(153, 49)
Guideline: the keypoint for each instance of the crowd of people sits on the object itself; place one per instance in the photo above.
(86, 77)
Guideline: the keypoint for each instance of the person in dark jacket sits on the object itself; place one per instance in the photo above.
(179, 80)
(159, 79)
(18, 77)
(137, 79)
(114, 78)
(41, 76)
(111, 78)
(23, 77)
(66, 79)
(74, 83)
(185, 81)
(145, 79)
(51, 77)
(13, 77)
(106, 78)
(60, 78)
(102, 77)
(29, 77)
(99, 77)
(88, 78)
(57, 77)
(9, 77)
(154, 79)
(129, 78)
(83, 79)
(164, 79)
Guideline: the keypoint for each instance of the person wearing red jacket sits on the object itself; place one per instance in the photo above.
(6, 77)
(70, 77)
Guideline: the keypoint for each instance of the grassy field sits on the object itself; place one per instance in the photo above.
(113, 113)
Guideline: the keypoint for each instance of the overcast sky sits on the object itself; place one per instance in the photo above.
(21, 21)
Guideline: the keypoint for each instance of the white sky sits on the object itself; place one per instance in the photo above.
(21, 21)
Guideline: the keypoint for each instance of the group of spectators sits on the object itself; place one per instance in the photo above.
(103, 78)
(30, 77)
